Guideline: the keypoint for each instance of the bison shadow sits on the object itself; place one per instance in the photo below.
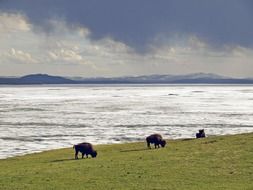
(134, 150)
(63, 160)
(188, 139)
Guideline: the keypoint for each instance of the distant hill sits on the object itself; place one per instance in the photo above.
(197, 78)
(36, 79)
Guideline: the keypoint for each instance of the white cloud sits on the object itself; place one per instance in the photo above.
(18, 56)
(65, 55)
(13, 23)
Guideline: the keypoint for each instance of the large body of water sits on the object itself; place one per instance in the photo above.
(40, 118)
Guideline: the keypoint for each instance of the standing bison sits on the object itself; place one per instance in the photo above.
(155, 139)
(85, 149)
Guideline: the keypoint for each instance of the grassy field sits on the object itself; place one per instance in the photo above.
(224, 162)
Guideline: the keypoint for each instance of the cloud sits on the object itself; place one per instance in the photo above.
(18, 56)
(13, 23)
(137, 23)
(70, 50)
(65, 55)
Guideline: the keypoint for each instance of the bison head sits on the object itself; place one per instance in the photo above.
(94, 154)
(163, 143)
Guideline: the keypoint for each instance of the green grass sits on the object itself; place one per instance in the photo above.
(224, 162)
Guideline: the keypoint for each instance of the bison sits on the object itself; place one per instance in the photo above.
(85, 149)
(155, 139)
(201, 134)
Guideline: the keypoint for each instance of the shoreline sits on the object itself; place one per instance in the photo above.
(120, 143)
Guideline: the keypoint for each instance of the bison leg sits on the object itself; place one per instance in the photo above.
(82, 155)
(156, 145)
(76, 155)
(148, 144)
(86, 155)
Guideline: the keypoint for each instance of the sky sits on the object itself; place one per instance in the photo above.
(94, 38)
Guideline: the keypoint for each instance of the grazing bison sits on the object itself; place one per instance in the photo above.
(85, 149)
(155, 139)
(201, 134)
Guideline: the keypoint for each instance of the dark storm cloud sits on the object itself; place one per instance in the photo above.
(138, 22)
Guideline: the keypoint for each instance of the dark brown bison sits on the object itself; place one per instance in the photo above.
(155, 139)
(201, 134)
(85, 149)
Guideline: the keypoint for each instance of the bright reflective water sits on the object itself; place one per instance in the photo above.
(39, 118)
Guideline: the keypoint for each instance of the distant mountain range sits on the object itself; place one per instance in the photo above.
(197, 78)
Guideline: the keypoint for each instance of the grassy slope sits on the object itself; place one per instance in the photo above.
(224, 162)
